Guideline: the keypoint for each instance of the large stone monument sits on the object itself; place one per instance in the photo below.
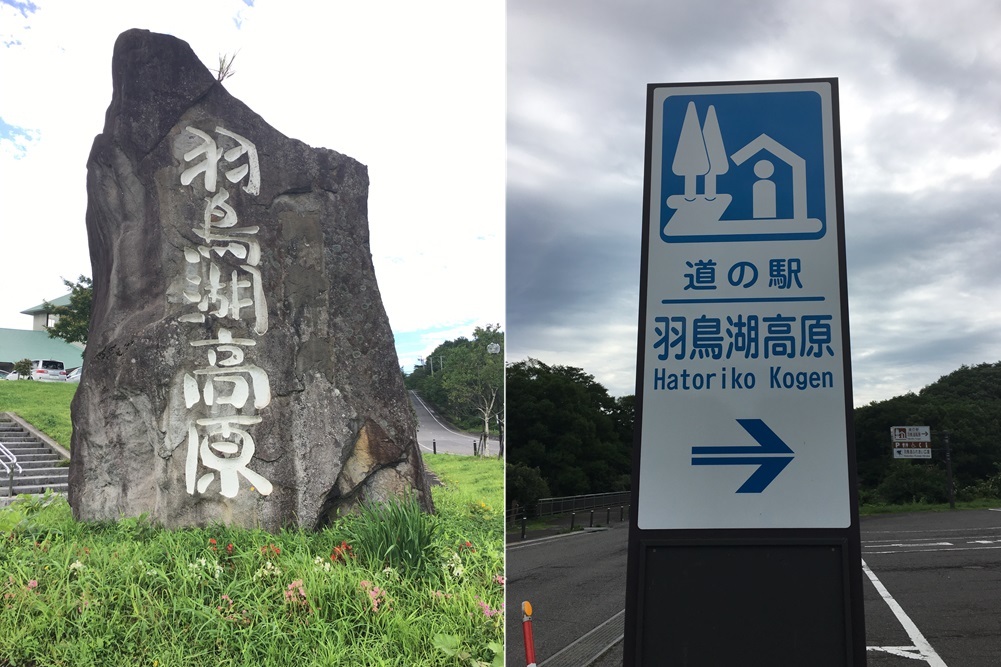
(240, 366)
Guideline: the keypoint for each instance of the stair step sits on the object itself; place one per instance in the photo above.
(31, 453)
(40, 470)
(33, 473)
(35, 456)
(36, 489)
(36, 463)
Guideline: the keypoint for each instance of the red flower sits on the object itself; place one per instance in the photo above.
(342, 552)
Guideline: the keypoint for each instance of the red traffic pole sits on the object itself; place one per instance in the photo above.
(526, 627)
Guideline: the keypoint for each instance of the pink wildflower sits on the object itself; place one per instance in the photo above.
(485, 608)
(376, 596)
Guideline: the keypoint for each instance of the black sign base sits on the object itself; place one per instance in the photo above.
(727, 603)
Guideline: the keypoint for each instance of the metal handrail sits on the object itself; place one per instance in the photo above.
(12, 458)
(568, 504)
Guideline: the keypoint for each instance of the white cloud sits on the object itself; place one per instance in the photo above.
(919, 84)
(413, 90)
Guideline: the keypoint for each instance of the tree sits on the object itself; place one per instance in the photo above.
(475, 377)
(524, 486)
(23, 369)
(565, 424)
(74, 320)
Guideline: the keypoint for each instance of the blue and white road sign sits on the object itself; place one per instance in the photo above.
(744, 369)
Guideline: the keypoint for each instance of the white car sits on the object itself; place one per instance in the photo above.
(74, 375)
(48, 370)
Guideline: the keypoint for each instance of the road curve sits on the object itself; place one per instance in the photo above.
(433, 432)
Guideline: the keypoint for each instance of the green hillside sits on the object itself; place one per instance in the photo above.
(965, 403)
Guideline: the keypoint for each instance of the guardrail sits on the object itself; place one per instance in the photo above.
(550, 506)
(568, 504)
(9, 469)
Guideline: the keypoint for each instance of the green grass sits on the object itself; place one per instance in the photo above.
(130, 592)
(45, 405)
(871, 509)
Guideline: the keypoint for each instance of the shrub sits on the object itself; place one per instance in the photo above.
(397, 534)
(984, 488)
(23, 368)
(908, 482)
(525, 486)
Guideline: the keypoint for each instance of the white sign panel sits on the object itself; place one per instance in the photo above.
(911, 442)
(743, 397)
(910, 433)
(912, 450)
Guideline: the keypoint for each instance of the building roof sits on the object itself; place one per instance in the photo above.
(40, 308)
(17, 344)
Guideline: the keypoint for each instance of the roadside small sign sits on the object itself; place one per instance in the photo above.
(911, 442)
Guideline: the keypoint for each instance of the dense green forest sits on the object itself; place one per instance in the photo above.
(464, 380)
(567, 436)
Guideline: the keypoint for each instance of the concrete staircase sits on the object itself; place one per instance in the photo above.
(39, 462)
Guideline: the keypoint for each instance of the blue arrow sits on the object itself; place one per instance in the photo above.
(769, 467)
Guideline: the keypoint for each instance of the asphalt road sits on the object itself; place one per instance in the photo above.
(434, 432)
(944, 571)
(935, 600)
(575, 582)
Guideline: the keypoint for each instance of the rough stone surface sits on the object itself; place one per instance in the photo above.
(222, 384)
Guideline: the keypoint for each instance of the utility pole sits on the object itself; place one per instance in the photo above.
(948, 470)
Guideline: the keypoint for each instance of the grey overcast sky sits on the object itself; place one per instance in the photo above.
(920, 107)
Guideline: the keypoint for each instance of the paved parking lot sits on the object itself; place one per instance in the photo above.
(931, 592)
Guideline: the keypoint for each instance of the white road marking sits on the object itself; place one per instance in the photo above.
(935, 530)
(539, 540)
(916, 551)
(901, 651)
(912, 544)
(921, 649)
(463, 435)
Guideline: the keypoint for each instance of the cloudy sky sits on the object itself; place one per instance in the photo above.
(413, 90)
(920, 106)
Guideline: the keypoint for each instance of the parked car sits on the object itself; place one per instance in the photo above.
(48, 370)
(14, 376)
(74, 375)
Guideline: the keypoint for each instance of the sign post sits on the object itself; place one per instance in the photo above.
(745, 544)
